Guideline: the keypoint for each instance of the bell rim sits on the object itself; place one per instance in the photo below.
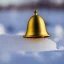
(31, 36)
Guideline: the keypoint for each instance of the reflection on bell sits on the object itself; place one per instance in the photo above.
(36, 27)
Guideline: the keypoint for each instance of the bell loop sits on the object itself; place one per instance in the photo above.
(35, 12)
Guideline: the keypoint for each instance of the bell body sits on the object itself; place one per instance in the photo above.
(36, 27)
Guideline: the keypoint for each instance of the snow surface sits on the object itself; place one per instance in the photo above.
(18, 43)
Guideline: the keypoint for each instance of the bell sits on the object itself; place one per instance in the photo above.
(36, 27)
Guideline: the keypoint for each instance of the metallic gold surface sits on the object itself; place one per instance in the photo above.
(36, 27)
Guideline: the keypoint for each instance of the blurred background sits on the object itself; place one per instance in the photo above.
(14, 16)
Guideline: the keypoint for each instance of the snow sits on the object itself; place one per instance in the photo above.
(18, 43)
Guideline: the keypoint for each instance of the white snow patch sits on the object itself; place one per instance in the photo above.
(17, 42)
(21, 33)
(61, 48)
(21, 52)
(2, 30)
(59, 32)
(37, 56)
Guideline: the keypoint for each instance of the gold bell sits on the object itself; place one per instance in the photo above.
(36, 27)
